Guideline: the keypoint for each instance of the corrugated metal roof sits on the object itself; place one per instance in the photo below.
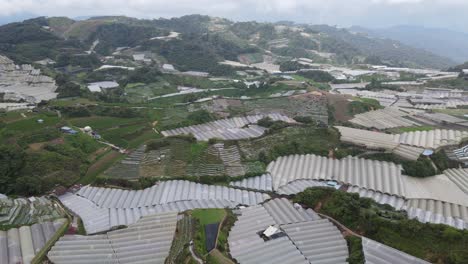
(377, 253)
(262, 183)
(319, 241)
(228, 129)
(166, 192)
(370, 174)
(147, 241)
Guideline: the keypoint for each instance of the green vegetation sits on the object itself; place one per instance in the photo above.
(442, 162)
(434, 243)
(419, 168)
(415, 128)
(317, 76)
(363, 105)
(204, 217)
(356, 255)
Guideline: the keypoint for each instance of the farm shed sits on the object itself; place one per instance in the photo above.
(377, 253)
(228, 129)
(432, 139)
(147, 241)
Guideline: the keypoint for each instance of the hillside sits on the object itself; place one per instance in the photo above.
(443, 42)
(208, 40)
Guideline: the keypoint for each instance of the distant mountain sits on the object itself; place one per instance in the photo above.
(443, 42)
(203, 42)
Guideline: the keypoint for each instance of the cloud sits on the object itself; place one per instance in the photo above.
(366, 12)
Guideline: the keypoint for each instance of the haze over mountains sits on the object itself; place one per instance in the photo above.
(443, 42)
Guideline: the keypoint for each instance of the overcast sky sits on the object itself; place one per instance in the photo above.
(451, 14)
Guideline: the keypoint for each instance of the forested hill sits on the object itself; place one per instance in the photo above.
(207, 40)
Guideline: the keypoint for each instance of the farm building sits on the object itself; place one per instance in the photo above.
(98, 87)
(228, 129)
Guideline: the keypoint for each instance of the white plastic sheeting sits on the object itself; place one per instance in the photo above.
(20, 245)
(319, 241)
(147, 241)
(370, 174)
(262, 183)
(378, 140)
(298, 186)
(438, 212)
(104, 208)
(95, 219)
(381, 198)
(459, 177)
(228, 129)
(377, 253)
(304, 237)
(167, 192)
(432, 139)
(389, 117)
(127, 216)
(246, 245)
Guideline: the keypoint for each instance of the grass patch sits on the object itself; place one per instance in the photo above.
(100, 166)
(204, 217)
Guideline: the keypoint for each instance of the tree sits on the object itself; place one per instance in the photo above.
(11, 162)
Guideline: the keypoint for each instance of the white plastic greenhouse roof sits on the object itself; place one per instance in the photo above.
(319, 241)
(167, 192)
(432, 139)
(262, 183)
(379, 140)
(459, 177)
(381, 198)
(104, 208)
(379, 176)
(438, 212)
(438, 187)
(147, 241)
(246, 246)
(307, 238)
(228, 129)
(388, 117)
(20, 245)
(377, 253)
